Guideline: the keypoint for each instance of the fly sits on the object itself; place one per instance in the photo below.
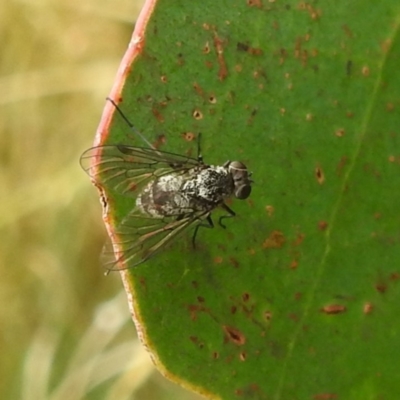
(172, 193)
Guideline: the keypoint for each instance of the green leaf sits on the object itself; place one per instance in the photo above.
(298, 298)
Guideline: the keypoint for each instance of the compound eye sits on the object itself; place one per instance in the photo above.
(243, 191)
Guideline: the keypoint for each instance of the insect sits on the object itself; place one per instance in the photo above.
(172, 193)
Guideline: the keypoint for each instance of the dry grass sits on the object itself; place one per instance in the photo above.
(66, 329)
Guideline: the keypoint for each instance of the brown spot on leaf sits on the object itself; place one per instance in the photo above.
(268, 315)
(245, 297)
(143, 283)
(251, 118)
(180, 61)
(325, 396)
(234, 262)
(386, 45)
(215, 355)
(340, 132)
(198, 88)
(242, 356)
(299, 239)
(189, 136)
(200, 299)
(275, 240)
(365, 70)
(218, 260)
(254, 3)
(197, 114)
(194, 339)
(297, 47)
(319, 174)
(313, 12)
(270, 210)
(283, 55)
(347, 31)
(194, 309)
(395, 276)
(161, 139)
(223, 70)
(342, 163)
(322, 225)
(298, 295)
(212, 99)
(333, 309)
(242, 46)
(234, 335)
(368, 307)
(294, 264)
(158, 115)
(254, 51)
(206, 48)
(389, 107)
(381, 287)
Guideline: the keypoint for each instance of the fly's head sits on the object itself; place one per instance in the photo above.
(241, 179)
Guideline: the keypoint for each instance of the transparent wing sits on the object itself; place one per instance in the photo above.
(140, 237)
(126, 169)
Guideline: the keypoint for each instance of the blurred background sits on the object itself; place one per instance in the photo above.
(66, 331)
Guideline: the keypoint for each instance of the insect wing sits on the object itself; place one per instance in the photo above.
(126, 169)
(139, 237)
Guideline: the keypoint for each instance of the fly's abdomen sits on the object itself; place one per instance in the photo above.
(210, 186)
(163, 198)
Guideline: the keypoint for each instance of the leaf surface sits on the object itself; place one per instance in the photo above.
(298, 297)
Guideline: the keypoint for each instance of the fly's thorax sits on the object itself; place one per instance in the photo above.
(209, 185)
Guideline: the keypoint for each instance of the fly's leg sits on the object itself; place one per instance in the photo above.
(199, 155)
(207, 224)
(125, 118)
(229, 211)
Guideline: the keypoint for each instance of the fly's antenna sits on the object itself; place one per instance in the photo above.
(129, 123)
(199, 155)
